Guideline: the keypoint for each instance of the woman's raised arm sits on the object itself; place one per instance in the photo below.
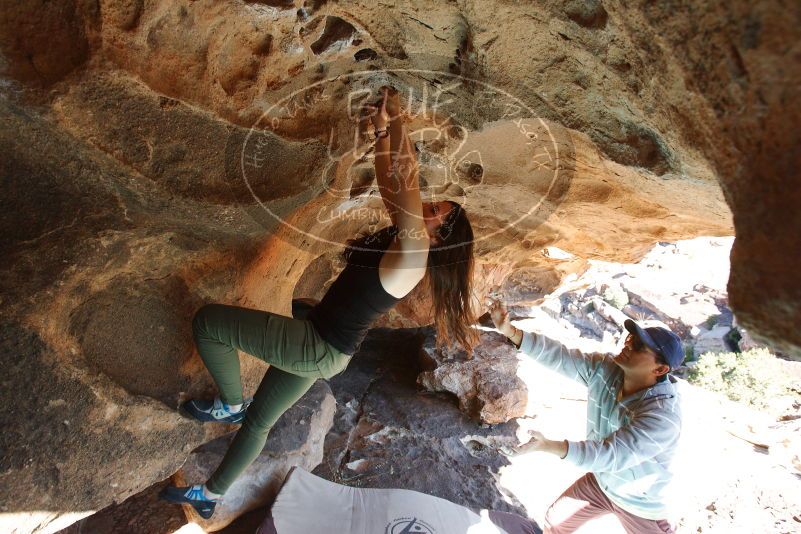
(405, 264)
(383, 158)
(404, 179)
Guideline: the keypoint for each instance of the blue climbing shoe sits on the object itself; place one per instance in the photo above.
(192, 495)
(215, 411)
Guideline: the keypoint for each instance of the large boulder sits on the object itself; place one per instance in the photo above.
(486, 384)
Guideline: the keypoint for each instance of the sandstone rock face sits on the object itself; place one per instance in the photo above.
(296, 440)
(43, 41)
(160, 155)
(179, 148)
(486, 385)
(739, 69)
(90, 423)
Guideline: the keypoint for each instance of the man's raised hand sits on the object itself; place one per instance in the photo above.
(538, 442)
(500, 316)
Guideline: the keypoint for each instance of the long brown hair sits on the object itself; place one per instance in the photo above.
(449, 274)
(450, 278)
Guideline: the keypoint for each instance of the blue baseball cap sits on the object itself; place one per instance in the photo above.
(660, 340)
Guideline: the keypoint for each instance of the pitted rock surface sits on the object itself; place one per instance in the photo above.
(127, 125)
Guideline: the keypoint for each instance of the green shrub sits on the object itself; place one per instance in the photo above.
(754, 377)
(689, 352)
(711, 321)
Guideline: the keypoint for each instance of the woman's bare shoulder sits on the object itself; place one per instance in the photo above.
(402, 267)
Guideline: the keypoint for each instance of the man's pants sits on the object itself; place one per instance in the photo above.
(585, 500)
(297, 356)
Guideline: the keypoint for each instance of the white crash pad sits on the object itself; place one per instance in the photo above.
(310, 504)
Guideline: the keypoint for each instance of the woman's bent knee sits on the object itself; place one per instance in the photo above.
(201, 318)
(332, 364)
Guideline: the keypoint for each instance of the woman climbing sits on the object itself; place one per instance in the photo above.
(431, 240)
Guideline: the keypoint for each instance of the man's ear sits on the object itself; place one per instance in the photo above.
(661, 369)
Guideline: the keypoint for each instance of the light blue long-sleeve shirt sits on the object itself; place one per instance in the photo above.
(630, 443)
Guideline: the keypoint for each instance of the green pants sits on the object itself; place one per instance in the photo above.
(297, 356)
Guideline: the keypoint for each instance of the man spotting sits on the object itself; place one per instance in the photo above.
(633, 426)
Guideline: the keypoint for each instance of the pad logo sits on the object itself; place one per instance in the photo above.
(409, 525)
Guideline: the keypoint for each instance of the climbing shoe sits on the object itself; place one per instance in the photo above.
(215, 411)
(192, 495)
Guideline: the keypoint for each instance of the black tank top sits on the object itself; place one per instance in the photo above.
(356, 298)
